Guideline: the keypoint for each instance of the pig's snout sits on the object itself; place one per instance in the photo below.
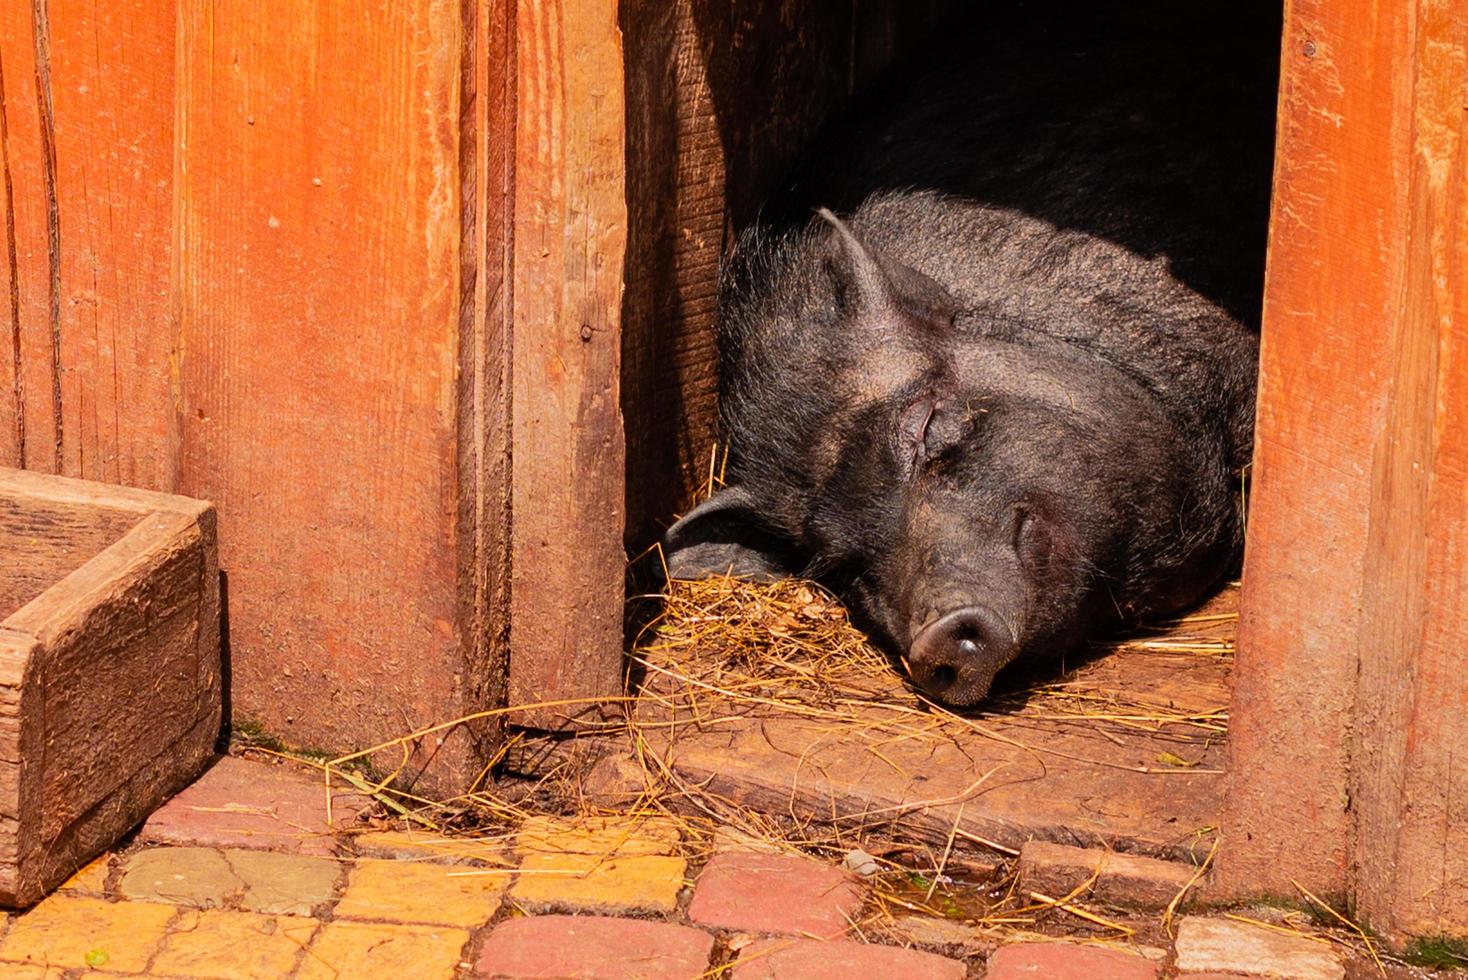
(956, 657)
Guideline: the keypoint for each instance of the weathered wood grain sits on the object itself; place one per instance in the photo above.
(110, 681)
(86, 147)
(319, 290)
(486, 327)
(43, 542)
(30, 345)
(1353, 619)
(49, 527)
(1310, 489)
(566, 439)
(1409, 787)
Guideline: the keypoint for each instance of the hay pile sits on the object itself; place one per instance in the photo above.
(723, 648)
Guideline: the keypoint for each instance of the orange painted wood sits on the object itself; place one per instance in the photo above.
(87, 152)
(31, 351)
(1348, 709)
(267, 254)
(1409, 789)
(319, 290)
(566, 441)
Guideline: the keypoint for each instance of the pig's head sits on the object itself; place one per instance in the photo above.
(974, 498)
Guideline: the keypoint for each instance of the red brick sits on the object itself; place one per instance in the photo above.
(593, 948)
(811, 959)
(1066, 961)
(239, 803)
(756, 892)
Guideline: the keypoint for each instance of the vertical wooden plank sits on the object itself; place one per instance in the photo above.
(30, 191)
(1334, 229)
(319, 296)
(112, 73)
(12, 392)
(567, 454)
(487, 156)
(1353, 613)
(1409, 793)
(88, 156)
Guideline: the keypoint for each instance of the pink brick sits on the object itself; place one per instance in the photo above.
(239, 803)
(1066, 961)
(592, 947)
(757, 892)
(811, 959)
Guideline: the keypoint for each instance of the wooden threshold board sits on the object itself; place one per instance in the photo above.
(1124, 751)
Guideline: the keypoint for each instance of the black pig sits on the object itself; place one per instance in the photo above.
(992, 435)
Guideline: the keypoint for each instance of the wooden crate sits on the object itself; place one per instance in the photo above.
(110, 672)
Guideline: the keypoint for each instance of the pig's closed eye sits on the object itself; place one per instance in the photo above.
(1031, 539)
(912, 430)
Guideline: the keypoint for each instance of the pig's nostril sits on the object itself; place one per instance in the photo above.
(951, 657)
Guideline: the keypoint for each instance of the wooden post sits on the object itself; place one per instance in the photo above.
(1348, 732)
(567, 454)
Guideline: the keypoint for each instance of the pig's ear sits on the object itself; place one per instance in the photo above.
(725, 536)
(871, 282)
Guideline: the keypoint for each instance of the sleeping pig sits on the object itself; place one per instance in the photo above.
(994, 426)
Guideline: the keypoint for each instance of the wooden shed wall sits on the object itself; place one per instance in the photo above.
(263, 254)
(1349, 730)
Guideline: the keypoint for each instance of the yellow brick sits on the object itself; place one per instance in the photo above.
(217, 943)
(64, 929)
(438, 894)
(373, 951)
(92, 878)
(420, 846)
(639, 883)
(600, 836)
(14, 971)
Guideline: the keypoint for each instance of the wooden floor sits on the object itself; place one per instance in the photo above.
(1124, 751)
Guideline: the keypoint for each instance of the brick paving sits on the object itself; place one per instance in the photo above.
(242, 876)
(812, 959)
(782, 893)
(426, 894)
(1067, 961)
(594, 948)
(238, 803)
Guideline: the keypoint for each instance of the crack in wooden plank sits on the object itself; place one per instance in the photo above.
(18, 384)
(46, 109)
